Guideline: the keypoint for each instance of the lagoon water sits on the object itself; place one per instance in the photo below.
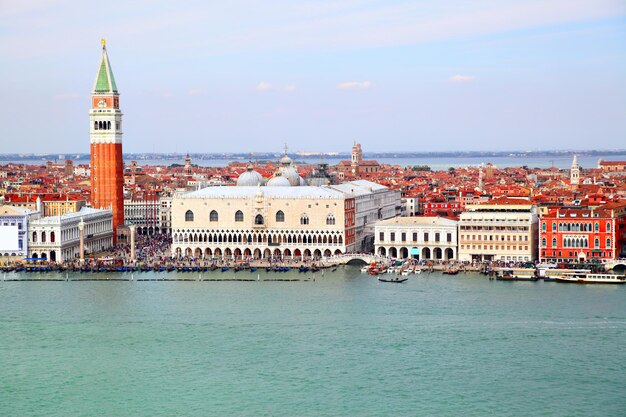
(342, 345)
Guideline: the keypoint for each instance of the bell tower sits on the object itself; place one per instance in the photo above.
(107, 165)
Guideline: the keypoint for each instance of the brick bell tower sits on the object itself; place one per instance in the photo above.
(107, 165)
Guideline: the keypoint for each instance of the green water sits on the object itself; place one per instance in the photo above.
(343, 345)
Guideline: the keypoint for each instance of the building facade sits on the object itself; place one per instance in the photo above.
(504, 229)
(262, 222)
(420, 238)
(57, 238)
(583, 234)
(105, 127)
(14, 232)
(374, 202)
(142, 210)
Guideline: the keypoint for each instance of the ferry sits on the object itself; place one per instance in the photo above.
(589, 278)
(516, 274)
(550, 274)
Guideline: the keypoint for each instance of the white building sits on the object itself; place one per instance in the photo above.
(504, 229)
(421, 238)
(165, 214)
(142, 210)
(13, 232)
(374, 202)
(57, 238)
(289, 222)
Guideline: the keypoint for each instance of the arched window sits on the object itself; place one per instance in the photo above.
(280, 216)
(554, 227)
(258, 219)
(304, 219)
(213, 217)
(43, 237)
(34, 236)
(238, 216)
(608, 243)
(330, 219)
(108, 125)
(543, 226)
(608, 226)
(554, 242)
(95, 125)
(543, 242)
(189, 216)
(52, 237)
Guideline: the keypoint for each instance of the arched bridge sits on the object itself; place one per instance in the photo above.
(355, 258)
(619, 263)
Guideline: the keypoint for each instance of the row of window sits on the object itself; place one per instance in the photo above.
(495, 228)
(403, 235)
(495, 247)
(258, 219)
(493, 237)
(104, 125)
(575, 227)
(580, 242)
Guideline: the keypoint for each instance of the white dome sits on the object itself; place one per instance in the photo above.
(250, 178)
(291, 174)
(278, 181)
(286, 160)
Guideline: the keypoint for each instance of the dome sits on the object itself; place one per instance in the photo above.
(286, 160)
(278, 181)
(250, 178)
(290, 174)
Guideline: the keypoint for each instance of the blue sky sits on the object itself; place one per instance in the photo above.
(242, 76)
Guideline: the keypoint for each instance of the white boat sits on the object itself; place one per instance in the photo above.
(417, 271)
(365, 269)
(405, 272)
(391, 270)
(549, 274)
(590, 278)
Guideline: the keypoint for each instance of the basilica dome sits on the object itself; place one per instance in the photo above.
(278, 181)
(250, 178)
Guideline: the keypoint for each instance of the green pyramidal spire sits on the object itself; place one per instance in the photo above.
(105, 82)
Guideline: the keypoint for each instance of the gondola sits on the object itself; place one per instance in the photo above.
(395, 280)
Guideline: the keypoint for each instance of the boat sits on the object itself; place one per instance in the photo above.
(405, 272)
(590, 278)
(224, 268)
(393, 279)
(516, 274)
(365, 269)
(451, 271)
(417, 271)
(550, 274)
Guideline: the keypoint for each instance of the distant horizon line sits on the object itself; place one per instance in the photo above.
(334, 154)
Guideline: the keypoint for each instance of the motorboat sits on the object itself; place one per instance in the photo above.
(517, 274)
(590, 278)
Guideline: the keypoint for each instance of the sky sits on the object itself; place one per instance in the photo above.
(247, 76)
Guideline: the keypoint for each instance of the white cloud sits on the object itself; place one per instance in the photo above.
(462, 78)
(354, 85)
(290, 88)
(263, 86)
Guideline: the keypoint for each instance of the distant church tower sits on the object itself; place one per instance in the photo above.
(107, 165)
(574, 172)
(357, 157)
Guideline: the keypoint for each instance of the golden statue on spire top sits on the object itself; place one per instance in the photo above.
(104, 42)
